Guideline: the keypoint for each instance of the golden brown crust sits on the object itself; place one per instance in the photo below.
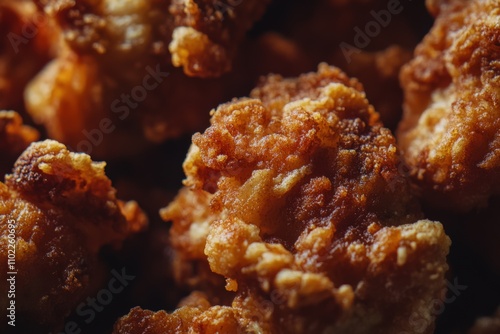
(207, 33)
(309, 213)
(64, 211)
(188, 238)
(196, 319)
(14, 139)
(202, 36)
(113, 66)
(114, 31)
(450, 131)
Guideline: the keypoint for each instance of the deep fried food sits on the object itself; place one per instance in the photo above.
(450, 133)
(14, 139)
(195, 316)
(109, 49)
(202, 36)
(64, 211)
(115, 32)
(114, 67)
(308, 213)
(207, 33)
(79, 104)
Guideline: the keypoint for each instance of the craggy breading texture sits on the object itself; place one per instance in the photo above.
(301, 207)
(115, 32)
(84, 96)
(207, 33)
(450, 132)
(64, 210)
(112, 87)
(201, 36)
(14, 139)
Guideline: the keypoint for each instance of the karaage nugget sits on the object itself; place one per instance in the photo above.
(207, 33)
(14, 139)
(450, 132)
(86, 108)
(298, 202)
(201, 36)
(60, 209)
(194, 316)
(112, 85)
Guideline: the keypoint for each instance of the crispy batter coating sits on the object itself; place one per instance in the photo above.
(63, 211)
(195, 316)
(114, 67)
(202, 36)
(309, 219)
(188, 240)
(207, 33)
(80, 105)
(116, 32)
(14, 139)
(450, 134)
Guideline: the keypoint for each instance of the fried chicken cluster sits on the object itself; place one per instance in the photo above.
(296, 200)
(301, 212)
(62, 211)
(450, 133)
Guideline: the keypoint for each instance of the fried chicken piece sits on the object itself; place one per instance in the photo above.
(487, 325)
(114, 67)
(308, 213)
(207, 33)
(92, 95)
(91, 110)
(450, 133)
(14, 139)
(25, 46)
(114, 32)
(202, 36)
(195, 316)
(63, 211)
(80, 105)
